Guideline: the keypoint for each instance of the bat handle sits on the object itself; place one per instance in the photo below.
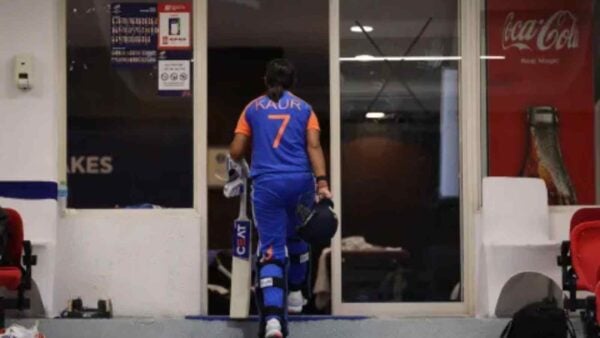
(244, 200)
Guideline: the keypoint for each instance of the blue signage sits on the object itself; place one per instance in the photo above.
(134, 32)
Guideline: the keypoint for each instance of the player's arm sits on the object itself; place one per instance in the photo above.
(315, 154)
(241, 141)
(239, 146)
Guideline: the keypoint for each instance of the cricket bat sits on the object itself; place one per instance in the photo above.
(241, 265)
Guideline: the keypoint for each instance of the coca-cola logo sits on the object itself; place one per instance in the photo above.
(556, 32)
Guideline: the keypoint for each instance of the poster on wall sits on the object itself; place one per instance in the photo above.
(133, 33)
(175, 29)
(541, 95)
(174, 75)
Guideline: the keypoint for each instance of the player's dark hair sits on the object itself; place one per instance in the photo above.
(280, 75)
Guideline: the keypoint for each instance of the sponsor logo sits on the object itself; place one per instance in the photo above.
(266, 283)
(557, 32)
(304, 258)
(241, 239)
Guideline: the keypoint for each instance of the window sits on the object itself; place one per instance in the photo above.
(542, 118)
(129, 107)
(399, 151)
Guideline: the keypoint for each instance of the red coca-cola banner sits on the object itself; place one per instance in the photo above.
(541, 56)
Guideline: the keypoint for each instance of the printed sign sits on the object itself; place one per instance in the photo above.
(134, 31)
(90, 165)
(175, 26)
(545, 50)
(241, 239)
(174, 75)
(115, 169)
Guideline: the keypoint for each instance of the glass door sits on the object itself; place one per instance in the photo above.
(396, 157)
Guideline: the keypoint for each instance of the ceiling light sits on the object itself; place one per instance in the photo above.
(364, 57)
(375, 115)
(357, 29)
(370, 58)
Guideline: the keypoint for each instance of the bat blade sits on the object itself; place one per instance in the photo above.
(241, 269)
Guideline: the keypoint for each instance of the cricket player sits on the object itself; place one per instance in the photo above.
(287, 169)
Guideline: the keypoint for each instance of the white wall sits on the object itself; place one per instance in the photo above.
(29, 129)
(560, 221)
(147, 261)
(28, 139)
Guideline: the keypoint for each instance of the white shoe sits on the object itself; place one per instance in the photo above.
(295, 302)
(273, 329)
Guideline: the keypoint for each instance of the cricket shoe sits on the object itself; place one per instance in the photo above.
(295, 302)
(273, 329)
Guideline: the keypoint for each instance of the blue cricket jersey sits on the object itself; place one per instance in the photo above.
(278, 132)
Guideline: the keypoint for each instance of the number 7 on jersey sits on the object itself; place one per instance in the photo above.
(285, 120)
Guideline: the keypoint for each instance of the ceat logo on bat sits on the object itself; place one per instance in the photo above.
(241, 239)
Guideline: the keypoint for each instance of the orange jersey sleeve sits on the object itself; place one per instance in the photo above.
(242, 126)
(313, 122)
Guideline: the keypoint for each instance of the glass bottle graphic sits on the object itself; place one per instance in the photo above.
(543, 157)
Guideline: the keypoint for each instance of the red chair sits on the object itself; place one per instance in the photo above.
(590, 317)
(15, 271)
(585, 253)
(580, 262)
(597, 293)
(585, 215)
(585, 256)
(572, 281)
